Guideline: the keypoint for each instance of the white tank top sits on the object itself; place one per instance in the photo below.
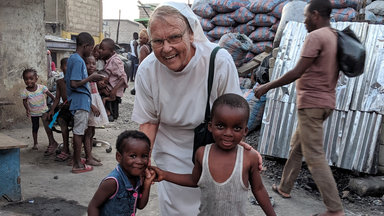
(226, 198)
(133, 48)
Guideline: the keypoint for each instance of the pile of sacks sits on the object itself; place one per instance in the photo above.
(374, 12)
(344, 10)
(257, 19)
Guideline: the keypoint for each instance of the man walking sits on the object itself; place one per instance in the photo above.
(134, 56)
(316, 73)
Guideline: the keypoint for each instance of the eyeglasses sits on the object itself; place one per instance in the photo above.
(173, 39)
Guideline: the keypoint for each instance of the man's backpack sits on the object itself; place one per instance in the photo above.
(350, 53)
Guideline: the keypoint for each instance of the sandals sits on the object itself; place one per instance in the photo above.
(86, 168)
(278, 191)
(70, 162)
(62, 157)
(50, 150)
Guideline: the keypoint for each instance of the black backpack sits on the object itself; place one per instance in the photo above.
(350, 53)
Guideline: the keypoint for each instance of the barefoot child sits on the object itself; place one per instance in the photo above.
(35, 104)
(222, 170)
(97, 118)
(122, 191)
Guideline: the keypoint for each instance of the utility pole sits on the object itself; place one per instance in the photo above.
(118, 27)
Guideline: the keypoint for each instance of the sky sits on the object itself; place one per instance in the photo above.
(129, 9)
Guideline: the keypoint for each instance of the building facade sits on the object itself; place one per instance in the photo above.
(65, 19)
(27, 30)
(126, 30)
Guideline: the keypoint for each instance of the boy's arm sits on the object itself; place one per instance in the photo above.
(149, 177)
(92, 78)
(188, 180)
(25, 103)
(50, 95)
(106, 189)
(56, 101)
(120, 84)
(257, 186)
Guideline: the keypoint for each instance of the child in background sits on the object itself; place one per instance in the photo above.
(99, 62)
(35, 104)
(79, 95)
(65, 117)
(223, 171)
(117, 78)
(122, 191)
(97, 118)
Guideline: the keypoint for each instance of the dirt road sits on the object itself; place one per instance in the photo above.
(49, 188)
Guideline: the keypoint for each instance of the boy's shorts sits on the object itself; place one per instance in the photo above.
(80, 122)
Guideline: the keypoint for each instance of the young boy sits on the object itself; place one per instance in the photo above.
(117, 78)
(223, 171)
(65, 115)
(79, 95)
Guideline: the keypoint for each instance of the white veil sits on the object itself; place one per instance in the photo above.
(187, 12)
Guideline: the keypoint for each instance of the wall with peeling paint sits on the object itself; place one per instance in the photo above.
(22, 45)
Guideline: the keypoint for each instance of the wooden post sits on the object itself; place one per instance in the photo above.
(118, 27)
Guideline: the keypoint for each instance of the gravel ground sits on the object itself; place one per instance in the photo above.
(55, 191)
(274, 168)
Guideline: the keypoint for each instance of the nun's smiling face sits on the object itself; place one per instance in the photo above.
(171, 41)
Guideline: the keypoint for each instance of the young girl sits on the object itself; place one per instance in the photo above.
(222, 170)
(122, 191)
(35, 104)
(97, 118)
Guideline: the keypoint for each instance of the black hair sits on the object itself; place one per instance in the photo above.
(135, 35)
(96, 47)
(134, 134)
(63, 61)
(29, 70)
(91, 56)
(84, 38)
(324, 7)
(110, 42)
(232, 100)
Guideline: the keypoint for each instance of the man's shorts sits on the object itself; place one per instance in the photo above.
(80, 122)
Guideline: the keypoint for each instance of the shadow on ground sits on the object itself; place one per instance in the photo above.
(41, 206)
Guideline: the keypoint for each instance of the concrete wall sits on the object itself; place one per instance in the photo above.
(126, 29)
(22, 45)
(84, 15)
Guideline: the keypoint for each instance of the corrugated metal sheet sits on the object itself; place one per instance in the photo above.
(350, 133)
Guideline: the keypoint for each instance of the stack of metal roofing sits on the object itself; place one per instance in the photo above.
(351, 132)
